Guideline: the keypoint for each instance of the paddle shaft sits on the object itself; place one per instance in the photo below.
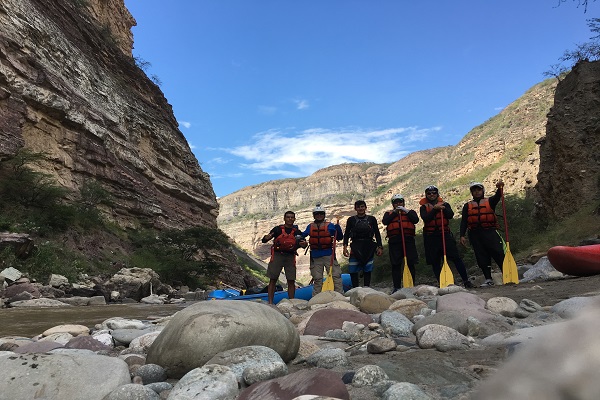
(406, 269)
(337, 222)
(443, 234)
(504, 215)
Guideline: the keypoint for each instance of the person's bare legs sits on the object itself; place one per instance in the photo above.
(291, 289)
(271, 290)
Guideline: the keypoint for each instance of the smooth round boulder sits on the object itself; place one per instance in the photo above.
(198, 332)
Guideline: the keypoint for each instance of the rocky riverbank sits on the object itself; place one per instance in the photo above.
(532, 340)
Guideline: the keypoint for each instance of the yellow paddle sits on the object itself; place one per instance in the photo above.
(446, 277)
(328, 284)
(509, 266)
(407, 279)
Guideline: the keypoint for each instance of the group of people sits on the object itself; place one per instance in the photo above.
(361, 240)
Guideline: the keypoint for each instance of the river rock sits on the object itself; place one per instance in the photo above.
(207, 382)
(74, 330)
(38, 347)
(18, 288)
(317, 382)
(562, 363)
(251, 364)
(134, 283)
(132, 392)
(503, 306)
(61, 376)
(58, 280)
(466, 303)
(11, 274)
(570, 308)
(453, 319)
(196, 333)
(88, 343)
(39, 303)
(408, 307)
(329, 319)
(151, 373)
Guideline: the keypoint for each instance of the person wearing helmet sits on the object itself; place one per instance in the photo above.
(321, 235)
(360, 231)
(436, 215)
(480, 223)
(283, 254)
(401, 218)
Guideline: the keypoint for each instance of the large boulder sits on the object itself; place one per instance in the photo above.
(198, 332)
(135, 283)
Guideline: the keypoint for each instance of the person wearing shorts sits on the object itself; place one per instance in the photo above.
(286, 240)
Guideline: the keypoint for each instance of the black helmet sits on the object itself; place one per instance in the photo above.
(431, 188)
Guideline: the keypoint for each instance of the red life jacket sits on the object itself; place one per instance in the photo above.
(481, 215)
(400, 221)
(320, 238)
(435, 224)
(285, 242)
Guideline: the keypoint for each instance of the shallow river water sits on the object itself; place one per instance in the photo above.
(30, 322)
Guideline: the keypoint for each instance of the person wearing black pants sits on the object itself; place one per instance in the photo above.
(399, 223)
(436, 215)
(480, 223)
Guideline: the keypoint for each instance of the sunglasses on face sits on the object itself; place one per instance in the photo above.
(319, 213)
(431, 192)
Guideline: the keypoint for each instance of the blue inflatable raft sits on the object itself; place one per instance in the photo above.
(304, 293)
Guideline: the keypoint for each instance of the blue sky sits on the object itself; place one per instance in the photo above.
(271, 89)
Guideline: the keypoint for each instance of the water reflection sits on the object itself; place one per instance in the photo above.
(29, 322)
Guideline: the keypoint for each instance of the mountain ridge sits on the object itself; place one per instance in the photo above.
(503, 147)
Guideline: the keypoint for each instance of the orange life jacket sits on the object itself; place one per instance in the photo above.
(481, 215)
(435, 224)
(400, 221)
(285, 242)
(320, 238)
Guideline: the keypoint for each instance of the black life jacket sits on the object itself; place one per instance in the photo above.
(362, 229)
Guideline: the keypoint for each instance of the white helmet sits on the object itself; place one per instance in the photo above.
(474, 185)
(397, 197)
(318, 208)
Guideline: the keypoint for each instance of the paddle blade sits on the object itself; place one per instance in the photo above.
(509, 268)
(328, 284)
(407, 279)
(446, 277)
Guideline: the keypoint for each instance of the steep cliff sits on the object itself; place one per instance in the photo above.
(569, 174)
(70, 88)
(502, 147)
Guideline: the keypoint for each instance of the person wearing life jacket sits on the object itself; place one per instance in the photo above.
(360, 231)
(480, 224)
(436, 215)
(287, 239)
(321, 235)
(397, 221)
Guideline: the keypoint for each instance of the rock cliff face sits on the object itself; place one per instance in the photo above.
(570, 169)
(69, 87)
(503, 147)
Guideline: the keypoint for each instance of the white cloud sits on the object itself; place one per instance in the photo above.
(295, 154)
(301, 104)
(185, 124)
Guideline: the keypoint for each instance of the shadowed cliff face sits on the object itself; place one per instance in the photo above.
(570, 152)
(69, 87)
